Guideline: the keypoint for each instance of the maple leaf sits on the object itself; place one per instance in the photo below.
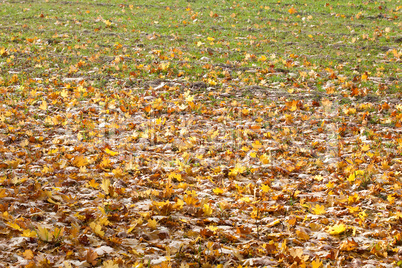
(265, 188)
(107, 22)
(64, 93)
(118, 172)
(3, 52)
(292, 11)
(256, 145)
(91, 257)
(92, 183)
(302, 235)
(152, 223)
(337, 229)
(218, 191)
(110, 264)
(28, 233)
(80, 161)
(97, 229)
(43, 105)
(28, 254)
(316, 263)
(265, 159)
(238, 169)
(44, 234)
(296, 252)
(349, 245)
(318, 209)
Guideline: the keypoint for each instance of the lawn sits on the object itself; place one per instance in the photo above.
(200, 133)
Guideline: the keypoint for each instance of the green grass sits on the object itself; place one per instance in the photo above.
(337, 35)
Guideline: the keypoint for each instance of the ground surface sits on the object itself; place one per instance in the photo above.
(200, 133)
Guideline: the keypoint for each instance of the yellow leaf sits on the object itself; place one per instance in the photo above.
(330, 185)
(110, 152)
(352, 177)
(391, 199)
(218, 191)
(28, 254)
(80, 161)
(245, 199)
(318, 178)
(245, 149)
(44, 234)
(302, 235)
(118, 172)
(353, 210)
(337, 229)
(28, 233)
(43, 106)
(213, 228)
(64, 93)
(3, 52)
(174, 175)
(107, 22)
(256, 145)
(105, 163)
(318, 210)
(272, 224)
(3, 193)
(110, 264)
(207, 210)
(152, 223)
(262, 58)
(179, 204)
(14, 226)
(265, 188)
(238, 169)
(365, 148)
(97, 229)
(105, 185)
(92, 183)
(265, 159)
(316, 264)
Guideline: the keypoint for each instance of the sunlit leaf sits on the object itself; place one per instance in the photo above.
(318, 209)
(152, 223)
(97, 229)
(337, 229)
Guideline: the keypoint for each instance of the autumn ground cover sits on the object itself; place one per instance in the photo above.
(200, 133)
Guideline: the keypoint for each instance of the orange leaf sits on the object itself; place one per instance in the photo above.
(302, 235)
(292, 11)
(28, 254)
(80, 161)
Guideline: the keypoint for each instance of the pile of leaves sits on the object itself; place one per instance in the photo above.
(192, 136)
